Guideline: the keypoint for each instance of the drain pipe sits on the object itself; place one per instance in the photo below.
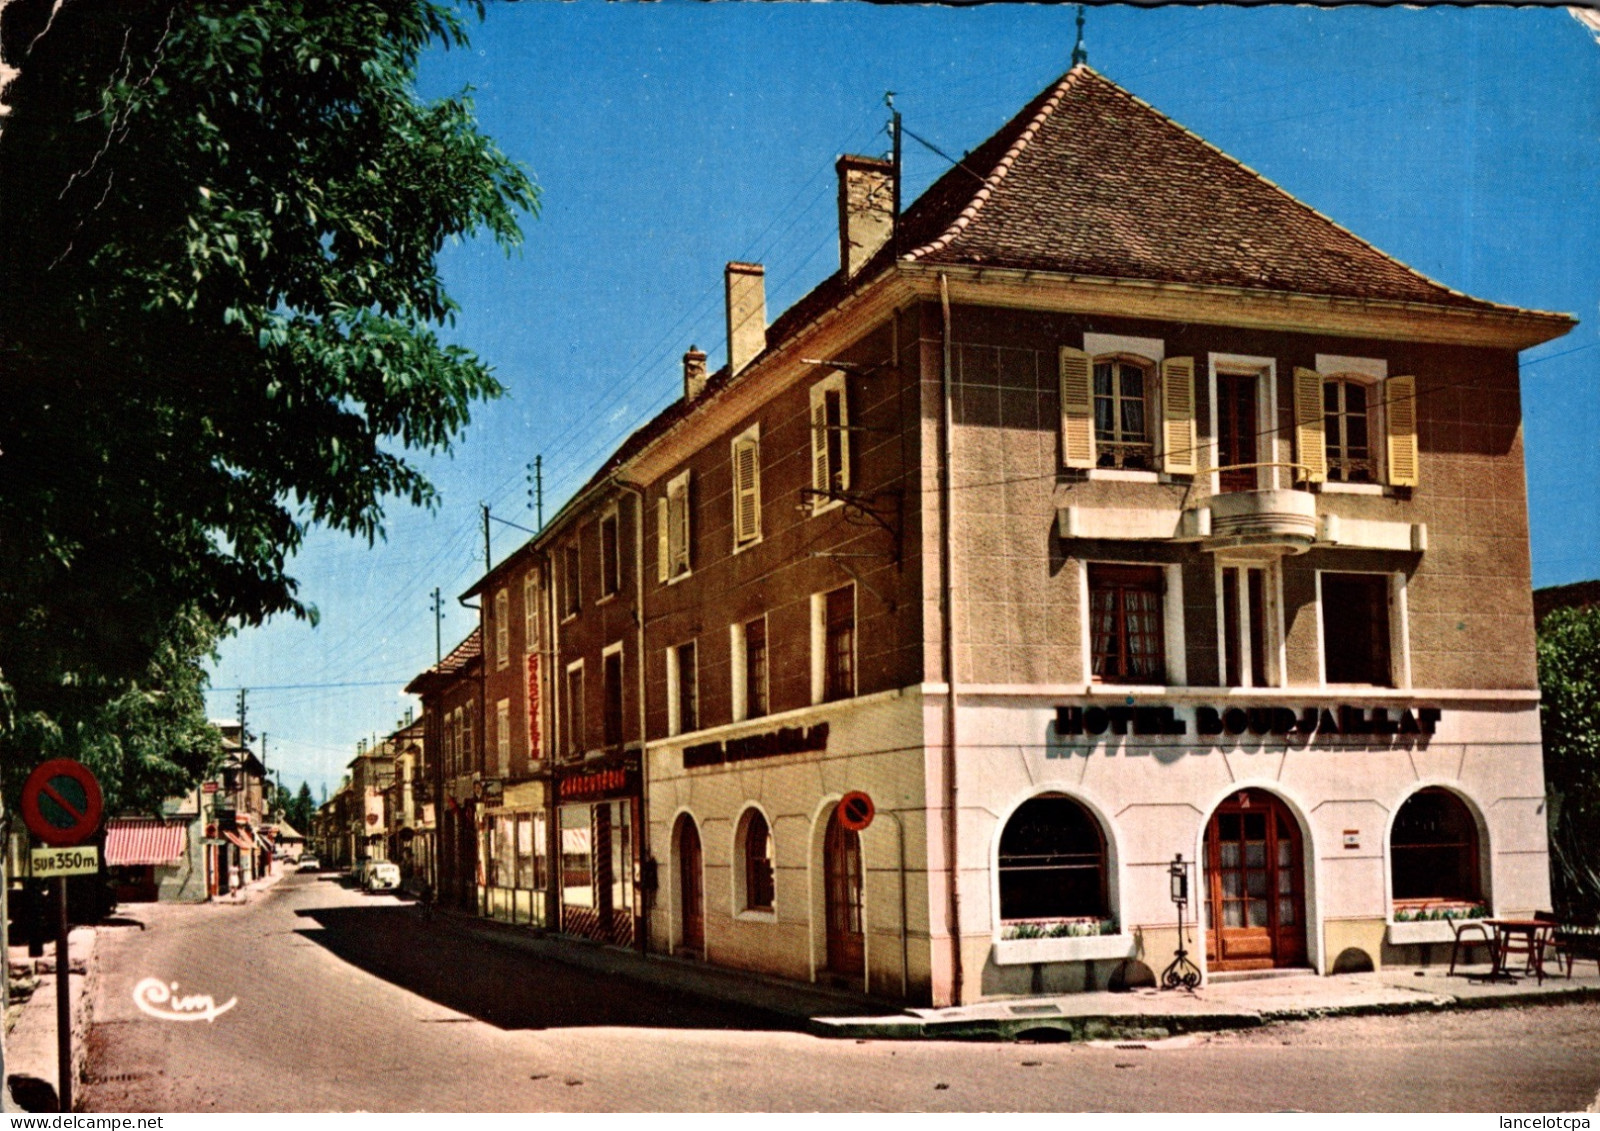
(952, 817)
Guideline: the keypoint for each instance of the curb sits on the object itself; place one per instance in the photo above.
(31, 1046)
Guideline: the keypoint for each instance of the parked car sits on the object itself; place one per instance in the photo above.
(381, 875)
(309, 863)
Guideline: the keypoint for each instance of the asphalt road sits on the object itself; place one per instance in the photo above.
(344, 1001)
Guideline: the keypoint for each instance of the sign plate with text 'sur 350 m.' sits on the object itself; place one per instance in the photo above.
(61, 803)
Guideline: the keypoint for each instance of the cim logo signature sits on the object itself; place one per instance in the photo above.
(160, 1000)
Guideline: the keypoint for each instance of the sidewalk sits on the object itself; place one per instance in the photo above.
(1146, 1014)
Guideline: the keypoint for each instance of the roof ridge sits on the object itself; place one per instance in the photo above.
(1270, 183)
(1003, 166)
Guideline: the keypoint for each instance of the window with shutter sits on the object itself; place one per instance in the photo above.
(1400, 396)
(1178, 416)
(530, 611)
(1310, 437)
(747, 489)
(672, 515)
(502, 628)
(1077, 408)
(830, 443)
(610, 555)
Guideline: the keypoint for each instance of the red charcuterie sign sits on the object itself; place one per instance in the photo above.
(61, 803)
(856, 811)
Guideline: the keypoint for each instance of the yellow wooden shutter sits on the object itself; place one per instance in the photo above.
(1177, 415)
(1309, 435)
(843, 470)
(680, 528)
(819, 443)
(1400, 395)
(746, 491)
(1077, 408)
(663, 538)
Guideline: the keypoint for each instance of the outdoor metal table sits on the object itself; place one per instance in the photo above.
(1520, 937)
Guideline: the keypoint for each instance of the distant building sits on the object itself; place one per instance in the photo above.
(1578, 595)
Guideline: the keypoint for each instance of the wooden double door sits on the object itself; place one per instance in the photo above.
(691, 890)
(842, 883)
(1255, 885)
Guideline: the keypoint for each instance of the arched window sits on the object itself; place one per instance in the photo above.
(1052, 862)
(1121, 417)
(1434, 849)
(757, 846)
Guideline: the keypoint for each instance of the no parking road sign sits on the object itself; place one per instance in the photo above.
(61, 803)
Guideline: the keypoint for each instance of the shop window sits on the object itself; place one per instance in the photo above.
(572, 710)
(1052, 862)
(1433, 850)
(756, 847)
(610, 556)
(611, 681)
(502, 628)
(683, 707)
(833, 645)
(672, 530)
(830, 443)
(747, 489)
(1356, 628)
(1127, 636)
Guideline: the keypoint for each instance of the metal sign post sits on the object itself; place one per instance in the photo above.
(62, 806)
(1181, 971)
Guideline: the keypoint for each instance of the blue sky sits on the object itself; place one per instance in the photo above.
(673, 137)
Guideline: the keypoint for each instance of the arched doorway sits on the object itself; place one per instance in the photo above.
(1255, 885)
(841, 866)
(691, 890)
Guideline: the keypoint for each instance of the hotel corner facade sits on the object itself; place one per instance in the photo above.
(1111, 509)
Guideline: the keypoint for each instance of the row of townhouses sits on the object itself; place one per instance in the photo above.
(1110, 527)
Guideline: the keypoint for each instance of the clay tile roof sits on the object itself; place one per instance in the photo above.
(458, 658)
(1089, 180)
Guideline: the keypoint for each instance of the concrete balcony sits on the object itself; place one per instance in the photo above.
(1272, 522)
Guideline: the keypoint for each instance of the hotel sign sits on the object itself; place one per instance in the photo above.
(1341, 720)
(784, 740)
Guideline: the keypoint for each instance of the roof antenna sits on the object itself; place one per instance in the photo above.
(1079, 55)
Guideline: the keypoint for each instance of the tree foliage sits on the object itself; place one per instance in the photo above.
(1569, 680)
(219, 319)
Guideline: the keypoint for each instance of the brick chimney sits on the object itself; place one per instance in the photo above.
(866, 209)
(694, 373)
(747, 313)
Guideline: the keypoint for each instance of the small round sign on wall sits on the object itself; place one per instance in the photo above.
(61, 803)
(856, 810)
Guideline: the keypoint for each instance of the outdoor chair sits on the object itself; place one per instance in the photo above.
(1485, 937)
(1577, 939)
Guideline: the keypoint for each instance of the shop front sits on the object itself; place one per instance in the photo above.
(1317, 834)
(600, 865)
(515, 847)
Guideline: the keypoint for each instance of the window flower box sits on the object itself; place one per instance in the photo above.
(1060, 940)
(1432, 922)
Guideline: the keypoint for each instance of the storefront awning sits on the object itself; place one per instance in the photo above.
(137, 841)
(242, 842)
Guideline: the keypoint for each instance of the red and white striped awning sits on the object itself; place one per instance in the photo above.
(136, 841)
(241, 840)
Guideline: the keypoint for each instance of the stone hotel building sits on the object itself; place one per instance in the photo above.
(1106, 506)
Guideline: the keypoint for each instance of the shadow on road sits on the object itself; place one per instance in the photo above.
(504, 987)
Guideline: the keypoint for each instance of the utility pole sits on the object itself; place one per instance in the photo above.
(894, 132)
(488, 558)
(438, 622)
(538, 492)
(243, 691)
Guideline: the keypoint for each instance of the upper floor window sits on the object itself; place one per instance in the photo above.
(1355, 425)
(1248, 629)
(530, 610)
(683, 706)
(610, 555)
(755, 668)
(830, 443)
(1127, 636)
(611, 681)
(572, 590)
(1123, 411)
(747, 488)
(502, 628)
(672, 530)
(1356, 643)
(573, 710)
(833, 639)
(469, 749)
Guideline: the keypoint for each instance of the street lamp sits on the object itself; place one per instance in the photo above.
(1181, 972)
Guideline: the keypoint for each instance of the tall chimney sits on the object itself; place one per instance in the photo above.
(747, 313)
(866, 209)
(694, 373)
